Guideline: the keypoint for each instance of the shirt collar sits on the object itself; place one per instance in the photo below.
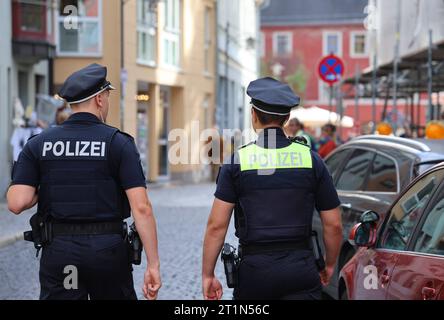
(266, 137)
(82, 117)
(278, 131)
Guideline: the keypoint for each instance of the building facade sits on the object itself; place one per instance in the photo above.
(27, 44)
(296, 35)
(420, 26)
(238, 55)
(162, 58)
(416, 19)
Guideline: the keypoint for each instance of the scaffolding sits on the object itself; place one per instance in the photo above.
(417, 74)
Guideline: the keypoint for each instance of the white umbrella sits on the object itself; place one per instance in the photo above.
(317, 117)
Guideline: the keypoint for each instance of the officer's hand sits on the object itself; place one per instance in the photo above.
(211, 288)
(151, 283)
(326, 275)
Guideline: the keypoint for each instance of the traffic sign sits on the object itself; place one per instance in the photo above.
(331, 69)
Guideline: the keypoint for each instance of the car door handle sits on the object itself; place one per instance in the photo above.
(428, 293)
(346, 205)
(385, 278)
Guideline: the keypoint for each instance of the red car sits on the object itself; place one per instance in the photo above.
(401, 257)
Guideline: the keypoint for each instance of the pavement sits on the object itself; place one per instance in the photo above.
(12, 226)
(181, 212)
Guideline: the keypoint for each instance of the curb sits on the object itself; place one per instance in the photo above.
(9, 240)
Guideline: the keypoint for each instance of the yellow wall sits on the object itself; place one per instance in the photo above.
(64, 66)
(190, 84)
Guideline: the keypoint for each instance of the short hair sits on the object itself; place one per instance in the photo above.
(266, 118)
(296, 122)
(330, 126)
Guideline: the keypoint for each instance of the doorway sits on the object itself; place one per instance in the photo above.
(165, 107)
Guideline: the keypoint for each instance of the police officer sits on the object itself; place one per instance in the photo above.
(273, 185)
(86, 178)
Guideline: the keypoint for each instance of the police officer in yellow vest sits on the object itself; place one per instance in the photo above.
(273, 185)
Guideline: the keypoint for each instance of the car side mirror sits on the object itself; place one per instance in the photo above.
(369, 216)
(364, 233)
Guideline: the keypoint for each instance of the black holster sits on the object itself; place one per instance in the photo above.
(41, 231)
(319, 257)
(231, 263)
(135, 245)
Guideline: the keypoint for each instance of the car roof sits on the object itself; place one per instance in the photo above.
(415, 145)
(424, 149)
(435, 145)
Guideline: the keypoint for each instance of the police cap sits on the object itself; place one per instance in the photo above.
(272, 96)
(85, 84)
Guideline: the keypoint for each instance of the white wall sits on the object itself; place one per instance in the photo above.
(9, 91)
(243, 61)
(417, 16)
(5, 94)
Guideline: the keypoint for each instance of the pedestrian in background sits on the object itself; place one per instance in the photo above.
(294, 128)
(327, 142)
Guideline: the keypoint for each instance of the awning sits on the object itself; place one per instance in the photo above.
(317, 117)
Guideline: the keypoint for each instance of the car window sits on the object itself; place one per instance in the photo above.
(383, 176)
(406, 212)
(335, 162)
(355, 171)
(431, 235)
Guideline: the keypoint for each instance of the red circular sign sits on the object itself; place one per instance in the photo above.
(331, 69)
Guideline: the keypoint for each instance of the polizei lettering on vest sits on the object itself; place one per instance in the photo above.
(275, 160)
(74, 149)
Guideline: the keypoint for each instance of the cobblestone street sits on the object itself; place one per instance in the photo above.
(181, 213)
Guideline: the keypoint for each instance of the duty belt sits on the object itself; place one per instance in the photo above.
(89, 228)
(259, 248)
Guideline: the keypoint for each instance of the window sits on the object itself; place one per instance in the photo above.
(282, 43)
(326, 92)
(79, 28)
(165, 101)
(23, 87)
(223, 108)
(32, 17)
(146, 32)
(358, 44)
(206, 111)
(50, 22)
(171, 37)
(332, 43)
(407, 211)
(383, 175)
(355, 171)
(207, 38)
(241, 109)
(335, 162)
(431, 235)
(262, 44)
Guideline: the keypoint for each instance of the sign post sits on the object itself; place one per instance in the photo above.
(330, 70)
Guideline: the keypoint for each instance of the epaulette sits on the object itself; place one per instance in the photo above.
(246, 145)
(296, 140)
(301, 143)
(119, 131)
(125, 134)
(33, 136)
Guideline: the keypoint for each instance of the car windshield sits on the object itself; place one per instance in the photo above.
(406, 212)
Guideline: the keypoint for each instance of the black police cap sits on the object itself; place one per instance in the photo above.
(85, 84)
(272, 96)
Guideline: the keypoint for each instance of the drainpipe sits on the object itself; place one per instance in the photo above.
(122, 64)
